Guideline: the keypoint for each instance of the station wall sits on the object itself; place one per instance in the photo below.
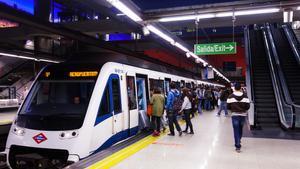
(239, 58)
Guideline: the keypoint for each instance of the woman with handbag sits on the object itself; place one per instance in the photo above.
(158, 102)
(186, 108)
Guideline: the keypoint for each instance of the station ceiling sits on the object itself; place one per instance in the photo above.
(77, 23)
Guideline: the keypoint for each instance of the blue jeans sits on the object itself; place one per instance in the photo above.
(238, 123)
(200, 106)
(223, 106)
(207, 104)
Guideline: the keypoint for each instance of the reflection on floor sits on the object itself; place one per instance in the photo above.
(212, 148)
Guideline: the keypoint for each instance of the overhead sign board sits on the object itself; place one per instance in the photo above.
(215, 48)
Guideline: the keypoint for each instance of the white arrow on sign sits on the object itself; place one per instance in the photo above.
(230, 47)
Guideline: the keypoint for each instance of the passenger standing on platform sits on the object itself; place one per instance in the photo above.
(194, 101)
(200, 97)
(217, 93)
(172, 115)
(208, 98)
(158, 102)
(223, 102)
(213, 101)
(238, 103)
(186, 108)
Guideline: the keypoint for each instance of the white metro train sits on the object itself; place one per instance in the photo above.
(73, 111)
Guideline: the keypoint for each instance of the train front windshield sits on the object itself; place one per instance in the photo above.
(56, 105)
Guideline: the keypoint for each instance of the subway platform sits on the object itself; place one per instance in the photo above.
(212, 147)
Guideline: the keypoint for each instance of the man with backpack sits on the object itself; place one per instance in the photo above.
(173, 106)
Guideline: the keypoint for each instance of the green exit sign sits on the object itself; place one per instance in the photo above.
(215, 48)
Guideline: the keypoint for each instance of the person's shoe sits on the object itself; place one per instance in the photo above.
(170, 134)
(180, 133)
(191, 132)
(218, 115)
(184, 131)
(238, 150)
(155, 134)
(164, 129)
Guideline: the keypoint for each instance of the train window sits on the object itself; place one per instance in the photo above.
(105, 103)
(188, 85)
(177, 85)
(116, 95)
(57, 101)
(141, 92)
(159, 84)
(182, 83)
(131, 93)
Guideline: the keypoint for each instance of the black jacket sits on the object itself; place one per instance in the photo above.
(224, 95)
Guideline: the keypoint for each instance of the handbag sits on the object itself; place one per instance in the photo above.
(149, 109)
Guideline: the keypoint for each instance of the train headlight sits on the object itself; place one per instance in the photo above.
(68, 134)
(18, 131)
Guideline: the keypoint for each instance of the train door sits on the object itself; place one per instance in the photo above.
(133, 116)
(167, 85)
(115, 94)
(142, 94)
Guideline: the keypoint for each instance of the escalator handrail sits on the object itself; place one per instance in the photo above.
(275, 82)
(282, 80)
(249, 81)
(292, 41)
(15, 69)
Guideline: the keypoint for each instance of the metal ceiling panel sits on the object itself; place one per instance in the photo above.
(159, 4)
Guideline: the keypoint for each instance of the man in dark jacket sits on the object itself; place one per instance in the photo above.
(223, 102)
(238, 103)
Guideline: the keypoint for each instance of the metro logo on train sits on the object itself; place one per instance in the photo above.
(39, 138)
(215, 48)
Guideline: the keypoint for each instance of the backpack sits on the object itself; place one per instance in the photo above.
(209, 95)
(177, 103)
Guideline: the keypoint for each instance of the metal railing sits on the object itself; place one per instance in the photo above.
(285, 110)
(252, 115)
(292, 41)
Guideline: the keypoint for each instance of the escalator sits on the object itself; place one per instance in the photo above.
(266, 112)
(16, 74)
(289, 64)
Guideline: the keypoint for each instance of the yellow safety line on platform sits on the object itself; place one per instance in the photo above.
(5, 122)
(124, 153)
(121, 155)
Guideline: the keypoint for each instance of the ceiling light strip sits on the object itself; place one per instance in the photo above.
(127, 11)
(220, 14)
(160, 34)
(181, 47)
(29, 58)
